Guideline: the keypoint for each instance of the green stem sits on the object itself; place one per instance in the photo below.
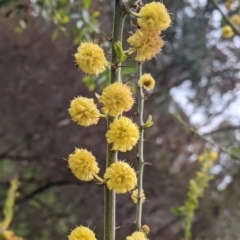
(140, 100)
(226, 18)
(110, 196)
(118, 22)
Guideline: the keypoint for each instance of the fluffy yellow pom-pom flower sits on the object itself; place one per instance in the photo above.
(9, 235)
(120, 177)
(83, 111)
(145, 229)
(146, 81)
(154, 17)
(146, 43)
(123, 133)
(82, 233)
(137, 236)
(235, 19)
(83, 164)
(90, 58)
(116, 99)
(134, 196)
(227, 32)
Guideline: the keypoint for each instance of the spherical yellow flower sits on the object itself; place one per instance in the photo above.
(83, 164)
(146, 81)
(146, 43)
(83, 111)
(123, 134)
(227, 32)
(116, 99)
(90, 58)
(154, 17)
(145, 229)
(137, 236)
(82, 233)
(134, 196)
(120, 177)
(213, 155)
(235, 19)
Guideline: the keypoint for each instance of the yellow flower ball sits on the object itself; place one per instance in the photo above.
(123, 134)
(83, 164)
(227, 32)
(154, 17)
(134, 196)
(146, 81)
(82, 233)
(147, 44)
(83, 111)
(116, 99)
(137, 236)
(213, 155)
(120, 177)
(145, 229)
(235, 19)
(90, 58)
(9, 235)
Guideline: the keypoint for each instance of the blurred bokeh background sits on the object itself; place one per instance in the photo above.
(197, 75)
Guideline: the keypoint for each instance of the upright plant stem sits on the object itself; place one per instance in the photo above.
(110, 196)
(140, 100)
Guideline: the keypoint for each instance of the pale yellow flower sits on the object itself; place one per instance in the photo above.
(227, 32)
(123, 134)
(235, 19)
(137, 236)
(82, 233)
(154, 17)
(90, 58)
(120, 177)
(146, 43)
(146, 81)
(83, 111)
(145, 229)
(116, 99)
(83, 164)
(134, 196)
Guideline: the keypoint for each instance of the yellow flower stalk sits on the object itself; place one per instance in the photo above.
(90, 58)
(83, 164)
(227, 32)
(116, 99)
(134, 196)
(235, 19)
(137, 236)
(120, 177)
(146, 81)
(83, 111)
(147, 44)
(82, 233)
(123, 133)
(154, 17)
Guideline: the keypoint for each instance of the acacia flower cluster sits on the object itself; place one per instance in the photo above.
(152, 19)
(137, 236)
(82, 233)
(120, 177)
(90, 58)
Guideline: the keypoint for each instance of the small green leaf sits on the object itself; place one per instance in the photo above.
(235, 153)
(149, 122)
(119, 51)
(97, 95)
